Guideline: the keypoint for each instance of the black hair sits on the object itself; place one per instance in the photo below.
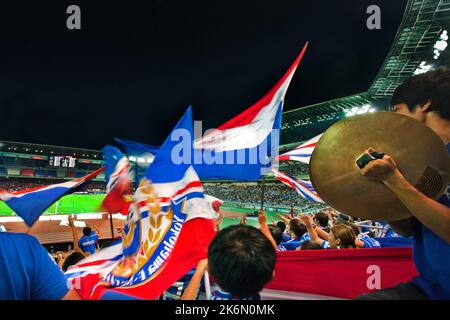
(431, 86)
(322, 219)
(281, 225)
(309, 245)
(241, 259)
(298, 228)
(276, 233)
(72, 259)
(87, 231)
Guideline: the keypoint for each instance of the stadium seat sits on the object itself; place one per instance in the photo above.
(2, 171)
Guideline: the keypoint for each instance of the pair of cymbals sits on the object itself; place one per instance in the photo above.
(420, 154)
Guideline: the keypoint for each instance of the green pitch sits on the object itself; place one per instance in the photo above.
(72, 203)
(76, 204)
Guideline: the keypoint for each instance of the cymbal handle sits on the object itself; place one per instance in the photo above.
(365, 158)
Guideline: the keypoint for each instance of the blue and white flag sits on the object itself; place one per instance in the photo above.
(31, 203)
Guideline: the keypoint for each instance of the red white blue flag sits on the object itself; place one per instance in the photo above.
(244, 147)
(301, 153)
(31, 203)
(168, 230)
(303, 187)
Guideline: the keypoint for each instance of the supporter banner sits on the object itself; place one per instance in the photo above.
(31, 203)
(345, 273)
(168, 230)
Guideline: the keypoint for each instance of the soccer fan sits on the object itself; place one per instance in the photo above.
(340, 236)
(88, 241)
(71, 260)
(28, 273)
(277, 235)
(426, 98)
(241, 259)
(298, 233)
(310, 245)
(321, 219)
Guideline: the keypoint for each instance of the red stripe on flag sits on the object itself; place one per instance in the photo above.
(249, 114)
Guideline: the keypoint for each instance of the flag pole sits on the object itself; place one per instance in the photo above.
(111, 225)
(263, 188)
(207, 286)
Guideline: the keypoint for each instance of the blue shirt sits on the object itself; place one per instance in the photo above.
(368, 241)
(222, 295)
(432, 257)
(26, 270)
(87, 244)
(294, 243)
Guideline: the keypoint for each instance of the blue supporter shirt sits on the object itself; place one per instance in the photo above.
(432, 257)
(368, 241)
(222, 295)
(87, 244)
(26, 270)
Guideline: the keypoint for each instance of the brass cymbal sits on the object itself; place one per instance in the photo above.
(420, 155)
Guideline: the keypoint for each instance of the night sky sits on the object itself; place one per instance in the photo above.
(134, 67)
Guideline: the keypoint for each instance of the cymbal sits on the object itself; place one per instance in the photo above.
(420, 154)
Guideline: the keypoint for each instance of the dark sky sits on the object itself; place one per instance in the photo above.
(134, 67)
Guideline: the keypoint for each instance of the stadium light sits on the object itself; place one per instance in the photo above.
(359, 110)
(132, 159)
(440, 45)
(141, 160)
(422, 68)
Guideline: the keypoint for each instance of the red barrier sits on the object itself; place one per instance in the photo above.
(342, 273)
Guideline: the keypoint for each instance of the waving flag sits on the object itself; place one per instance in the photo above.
(243, 147)
(304, 188)
(168, 230)
(118, 181)
(31, 203)
(303, 152)
(137, 149)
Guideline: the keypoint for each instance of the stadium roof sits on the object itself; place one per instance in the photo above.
(420, 44)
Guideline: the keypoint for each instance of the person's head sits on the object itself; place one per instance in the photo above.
(241, 259)
(309, 245)
(276, 233)
(72, 259)
(281, 225)
(424, 96)
(342, 236)
(87, 231)
(321, 219)
(296, 228)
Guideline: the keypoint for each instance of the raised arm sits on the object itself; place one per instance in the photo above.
(432, 214)
(307, 220)
(262, 219)
(191, 291)
(96, 230)
(74, 235)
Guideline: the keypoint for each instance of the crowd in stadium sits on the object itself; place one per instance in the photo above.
(295, 169)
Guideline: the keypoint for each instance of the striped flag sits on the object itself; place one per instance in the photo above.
(168, 230)
(303, 152)
(303, 187)
(31, 203)
(245, 146)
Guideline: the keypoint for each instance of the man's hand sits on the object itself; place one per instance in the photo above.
(307, 219)
(380, 169)
(262, 218)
